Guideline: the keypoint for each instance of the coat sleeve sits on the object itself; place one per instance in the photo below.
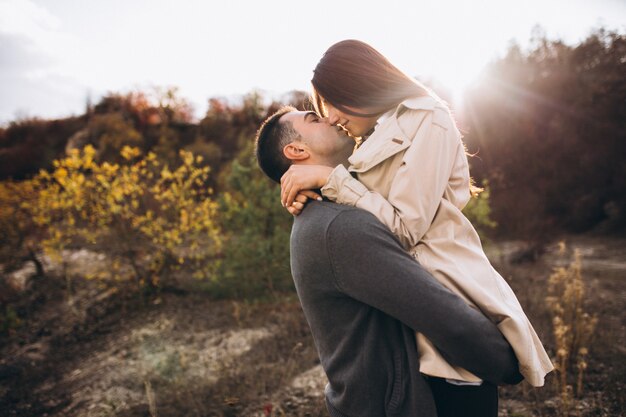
(369, 265)
(418, 185)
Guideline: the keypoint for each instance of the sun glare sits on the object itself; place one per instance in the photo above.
(452, 84)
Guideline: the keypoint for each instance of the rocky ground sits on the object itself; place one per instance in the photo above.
(82, 349)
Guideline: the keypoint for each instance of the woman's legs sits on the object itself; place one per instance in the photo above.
(464, 400)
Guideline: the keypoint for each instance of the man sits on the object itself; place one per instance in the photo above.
(364, 296)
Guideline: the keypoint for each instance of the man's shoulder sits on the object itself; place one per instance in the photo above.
(322, 218)
(317, 231)
(322, 214)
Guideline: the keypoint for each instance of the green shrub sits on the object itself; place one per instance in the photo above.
(256, 251)
(478, 211)
(9, 320)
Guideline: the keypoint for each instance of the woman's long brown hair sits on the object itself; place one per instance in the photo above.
(352, 73)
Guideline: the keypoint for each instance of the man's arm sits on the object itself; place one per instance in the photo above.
(371, 266)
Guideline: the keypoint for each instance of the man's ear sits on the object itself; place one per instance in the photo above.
(296, 151)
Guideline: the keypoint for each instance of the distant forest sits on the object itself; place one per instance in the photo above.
(547, 127)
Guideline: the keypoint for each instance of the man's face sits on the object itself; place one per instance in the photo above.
(327, 144)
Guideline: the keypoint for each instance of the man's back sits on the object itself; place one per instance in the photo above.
(363, 297)
(370, 358)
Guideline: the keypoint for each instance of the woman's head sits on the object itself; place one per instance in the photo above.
(358, 84)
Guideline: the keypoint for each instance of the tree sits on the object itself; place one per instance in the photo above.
(548, 128)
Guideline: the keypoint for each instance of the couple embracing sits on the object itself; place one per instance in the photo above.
(408, 316)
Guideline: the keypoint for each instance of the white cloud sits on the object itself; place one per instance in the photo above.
(24, 17)
(32, 46)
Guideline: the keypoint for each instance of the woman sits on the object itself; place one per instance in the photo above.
(410, 170)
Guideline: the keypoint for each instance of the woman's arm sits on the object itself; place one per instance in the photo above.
(369, 266)
(418, 185)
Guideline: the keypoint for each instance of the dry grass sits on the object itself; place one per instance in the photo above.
(573, 328)
(183, 354)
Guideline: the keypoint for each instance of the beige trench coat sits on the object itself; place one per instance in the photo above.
(413, 175)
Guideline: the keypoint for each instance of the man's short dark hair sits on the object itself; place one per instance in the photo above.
(272, 137)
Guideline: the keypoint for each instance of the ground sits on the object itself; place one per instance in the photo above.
(82, 349)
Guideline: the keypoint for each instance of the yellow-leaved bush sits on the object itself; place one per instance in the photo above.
(19, 236)
(149, 219)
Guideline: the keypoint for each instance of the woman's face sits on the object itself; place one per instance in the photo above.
(357, 125)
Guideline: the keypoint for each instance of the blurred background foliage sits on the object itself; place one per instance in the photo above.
(546, 125)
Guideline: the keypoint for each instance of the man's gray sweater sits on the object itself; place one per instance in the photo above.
(364, 297)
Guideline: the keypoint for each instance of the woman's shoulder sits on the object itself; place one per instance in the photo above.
(427, 102)
(412, 111)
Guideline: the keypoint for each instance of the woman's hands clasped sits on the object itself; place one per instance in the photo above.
(297, 185)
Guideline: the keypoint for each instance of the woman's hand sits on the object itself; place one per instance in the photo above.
(301, 200)
(302, 177)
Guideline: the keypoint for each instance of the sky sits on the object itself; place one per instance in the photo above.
(54, 54)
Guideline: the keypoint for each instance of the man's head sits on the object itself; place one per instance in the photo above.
(299, 137)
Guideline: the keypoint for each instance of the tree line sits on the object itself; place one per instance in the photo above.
(548, 127)
(137, 178)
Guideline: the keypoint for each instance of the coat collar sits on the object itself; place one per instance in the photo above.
(419, 103)
(388, 138)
